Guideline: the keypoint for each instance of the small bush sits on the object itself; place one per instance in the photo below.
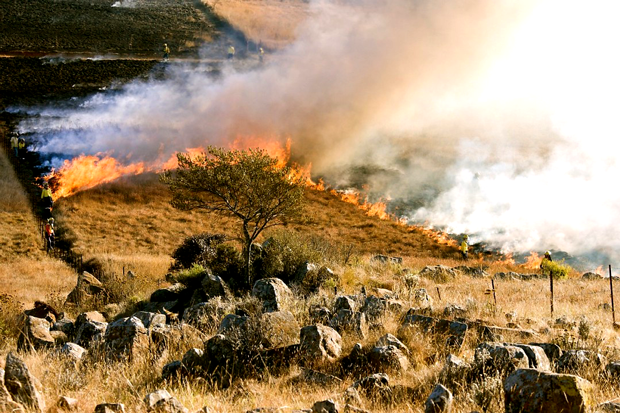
(191, 277)
(228, 264)
(558, 269)
(196, 249)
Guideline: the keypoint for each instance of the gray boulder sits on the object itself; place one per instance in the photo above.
(149, 319)
(451, 332)
(35, 334)
(214, 286)
(390, 340)
(454, 370)
(71, 352)
(87, 288)
(439, 401)
(374, 308)
(6, 402)
(272, 292)
(348, 322)
(110, 408)
(536, 356)
(126, 338)
(207, 315)
(319, 344)
(90, 328)
(325, 406)
(345, 302)
(23, 387)
(438, 273)
(421, 299)
(278, 329)
(388, 359)
(575, 361)
(375, 387)
(493, 358)
(529, 390)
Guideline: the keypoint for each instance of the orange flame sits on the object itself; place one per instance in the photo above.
(439, 237)
(508, 260)
(532, 262)
(87, 171)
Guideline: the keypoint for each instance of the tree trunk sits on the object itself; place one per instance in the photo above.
(248, 257)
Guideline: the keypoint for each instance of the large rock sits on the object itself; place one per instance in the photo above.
(454, 370)
(375, 387)
(529, 390)
(319, 344)
(438, 273)
(6, 402)
(88, 287)
(149, 319)
(35, 334)
(160, 401)
(493, 358)
(389, 340)
(439, 401)
(126, 338)
(278, 329)
(23, 387)
(207, 315)
(388, 359)
(110, 408)
(537, 357)
(325, 406)
(453, 332)
(345, 302)
(272, 292)
(165, 337)
(214, 286)
(374, 308)
(575, 361)
(346, 321)
(71, 352)
(172, 293)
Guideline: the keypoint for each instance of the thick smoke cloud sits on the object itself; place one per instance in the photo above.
(485, 117)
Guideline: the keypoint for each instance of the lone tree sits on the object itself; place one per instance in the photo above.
(248, 185)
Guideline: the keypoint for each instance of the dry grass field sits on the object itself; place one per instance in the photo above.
(273, 23)
(129, 224)
(26, 273)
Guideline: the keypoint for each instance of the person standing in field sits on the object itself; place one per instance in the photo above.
(15, 145)
(261, 52)
(231, 51)
(166, 51)
(46, 196)
(464, 248)
(49, 234)
(21, 147)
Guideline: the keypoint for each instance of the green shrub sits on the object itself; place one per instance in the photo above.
(558, 269)
(227, 263)
(196, 249)
(191, 277)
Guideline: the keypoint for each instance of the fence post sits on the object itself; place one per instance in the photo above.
(611, 289)
(551, 288)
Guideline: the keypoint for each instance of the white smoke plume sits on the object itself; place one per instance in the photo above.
(488, 117)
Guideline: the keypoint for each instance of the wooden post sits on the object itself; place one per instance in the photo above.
(611, 289)
(494, 296)
(438, 293)
(551, 287)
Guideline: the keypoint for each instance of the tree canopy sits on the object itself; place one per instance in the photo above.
(248, 185)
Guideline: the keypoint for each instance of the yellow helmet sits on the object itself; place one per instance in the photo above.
(465, 236)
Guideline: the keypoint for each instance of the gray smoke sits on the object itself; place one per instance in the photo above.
(472, 116)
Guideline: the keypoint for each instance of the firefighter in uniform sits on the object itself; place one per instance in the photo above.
(231, 51)
(166, 51)
(49, 234)
(464, 248)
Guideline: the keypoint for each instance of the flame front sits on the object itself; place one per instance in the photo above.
(87, 171)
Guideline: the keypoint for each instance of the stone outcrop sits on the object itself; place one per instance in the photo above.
(346, 321)
(278, 329)
(438, 273)
(35, 334)
(388, 359)
(272, 292)
(494, 358)
(529, 390)
(439, 401)
(126, 338)
(88, 287)
(319, 344)
(23, 387)
(451, 332)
